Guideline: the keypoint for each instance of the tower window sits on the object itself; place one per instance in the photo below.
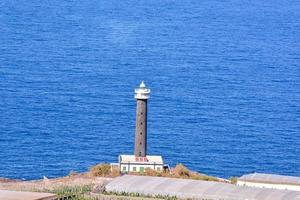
(141, 123)
(141, 113)
(141, 133)
(140, 153)
(140, 143)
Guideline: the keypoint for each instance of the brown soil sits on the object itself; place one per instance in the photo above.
(48, 184)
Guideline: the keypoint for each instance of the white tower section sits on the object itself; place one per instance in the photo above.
(142, 92)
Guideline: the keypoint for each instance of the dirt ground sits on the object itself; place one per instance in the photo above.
(49, 184)
(68, 181)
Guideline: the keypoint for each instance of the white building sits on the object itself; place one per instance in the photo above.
(140, 161)
(131, 163)
(270, 181)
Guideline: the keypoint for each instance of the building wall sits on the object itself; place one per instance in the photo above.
(137, 167)
(269, 185)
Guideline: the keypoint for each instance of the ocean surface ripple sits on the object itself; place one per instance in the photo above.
(224, 75)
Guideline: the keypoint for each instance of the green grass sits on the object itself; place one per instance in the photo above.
(81, 193)
(233, 180)
(71, 193)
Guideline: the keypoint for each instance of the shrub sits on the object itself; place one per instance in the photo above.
(115, 172)
(233, 180)
(101, 170)
(181, 171)
(151, 172)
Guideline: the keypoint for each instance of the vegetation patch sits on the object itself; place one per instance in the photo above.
(104, 170)
(71, 193)
(100, 170)
(180, 171)
(233, 180)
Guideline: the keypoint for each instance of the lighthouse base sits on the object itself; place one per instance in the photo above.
(131, 163)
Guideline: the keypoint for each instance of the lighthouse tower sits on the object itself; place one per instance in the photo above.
(142, 95)
(140, 161)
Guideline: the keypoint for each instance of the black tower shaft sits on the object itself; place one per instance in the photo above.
(140, 148)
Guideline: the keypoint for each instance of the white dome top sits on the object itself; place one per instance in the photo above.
(142, 92)
(142, 85)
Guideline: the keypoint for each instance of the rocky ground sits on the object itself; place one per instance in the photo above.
(91, 184)
(79, 180)
(50, 184)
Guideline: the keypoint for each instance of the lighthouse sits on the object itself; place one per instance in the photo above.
(140, 160)
(142, 95)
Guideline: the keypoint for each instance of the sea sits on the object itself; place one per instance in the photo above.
(224, 78)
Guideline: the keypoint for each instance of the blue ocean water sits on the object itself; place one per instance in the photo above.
(224, 75)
